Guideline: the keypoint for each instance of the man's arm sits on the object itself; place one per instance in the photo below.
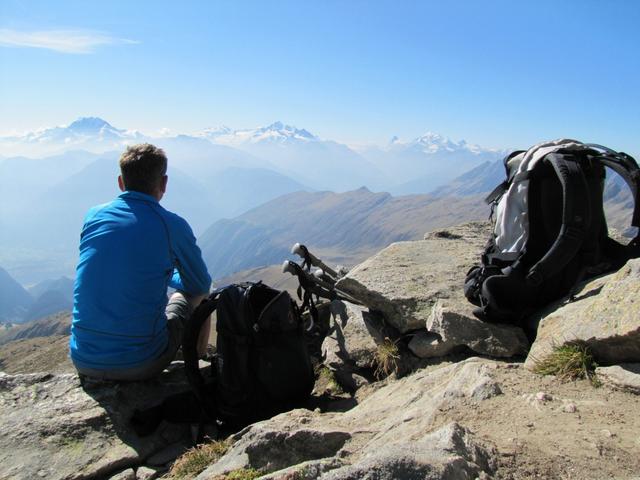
(190, 276)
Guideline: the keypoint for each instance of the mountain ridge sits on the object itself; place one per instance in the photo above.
(342, 227)
(288, 149)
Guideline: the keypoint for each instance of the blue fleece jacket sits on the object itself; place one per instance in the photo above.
(131, 249)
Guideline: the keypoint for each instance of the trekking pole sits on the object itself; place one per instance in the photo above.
(308, 281)
(320, 275)
(316, 285)
(310, 259)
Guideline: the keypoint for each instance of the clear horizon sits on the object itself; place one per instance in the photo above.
(500, 75)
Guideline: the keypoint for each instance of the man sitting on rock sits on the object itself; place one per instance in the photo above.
(131, 250)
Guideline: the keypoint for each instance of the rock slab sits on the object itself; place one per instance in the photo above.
(625, 377)
(50, 427)
(435, 456)
(392, 432)
(425, 344)
(353, 337)
(404, 280)
(418, 286)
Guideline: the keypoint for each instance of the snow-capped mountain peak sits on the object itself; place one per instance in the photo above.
(87, 133)
(433, 142)
(214, 132)
(278, 132)
(90, 125)
(281, 132)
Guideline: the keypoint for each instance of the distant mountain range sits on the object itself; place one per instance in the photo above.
(425, 163)
(17, 305)
(14, 299)
(342, 227)
(415, 166)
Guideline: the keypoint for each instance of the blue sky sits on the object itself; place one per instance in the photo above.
(497, 73)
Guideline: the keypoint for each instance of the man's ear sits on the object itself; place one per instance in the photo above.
(163, 185)
(121, 183)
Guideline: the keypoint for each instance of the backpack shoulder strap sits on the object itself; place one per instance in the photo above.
(625, 166)
(190, 351)
(576, 216)
(500, 190)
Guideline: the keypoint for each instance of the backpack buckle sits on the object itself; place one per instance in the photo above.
(534, 278)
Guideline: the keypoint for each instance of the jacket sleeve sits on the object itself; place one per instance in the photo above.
(190, 274)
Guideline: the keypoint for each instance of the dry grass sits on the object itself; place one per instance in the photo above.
(197, 459)
(241, 474)
(328, 378)
(571, 361)
(386, 358)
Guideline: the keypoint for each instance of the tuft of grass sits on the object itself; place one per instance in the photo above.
(197, 459)
(241, 474)
(571, 361)
(328, 377)
(386, 358)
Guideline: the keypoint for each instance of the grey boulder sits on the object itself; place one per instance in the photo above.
(625, 377)
(605, 317)
(418, 286)
(395, 427)
(405, 280)
(447, 453)
(456, 328)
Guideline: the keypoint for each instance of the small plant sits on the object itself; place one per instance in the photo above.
(241, 474)
(571, 361)
(386, 358)
(329, 378)
(197, 459)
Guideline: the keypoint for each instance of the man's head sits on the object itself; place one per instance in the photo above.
(143, 168)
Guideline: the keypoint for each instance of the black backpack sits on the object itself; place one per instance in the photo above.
(262, 366)
(550, 230)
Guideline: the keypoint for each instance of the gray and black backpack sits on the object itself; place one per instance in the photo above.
(262, 366)
(550, 230)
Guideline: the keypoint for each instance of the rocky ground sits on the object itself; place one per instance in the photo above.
(415, 388)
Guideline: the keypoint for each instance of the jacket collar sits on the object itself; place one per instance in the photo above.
(138, 196)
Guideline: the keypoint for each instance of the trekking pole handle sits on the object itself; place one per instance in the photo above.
(288, 268)
(307, 280)
(303, 252)
(320, 279)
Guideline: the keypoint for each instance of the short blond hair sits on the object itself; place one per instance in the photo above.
(142, 167)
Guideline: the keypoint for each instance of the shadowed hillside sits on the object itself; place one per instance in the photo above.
(57, 324)
(14, 300)
(344, 228)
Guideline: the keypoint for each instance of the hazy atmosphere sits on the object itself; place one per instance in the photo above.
(253, 101)
(319, 240)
